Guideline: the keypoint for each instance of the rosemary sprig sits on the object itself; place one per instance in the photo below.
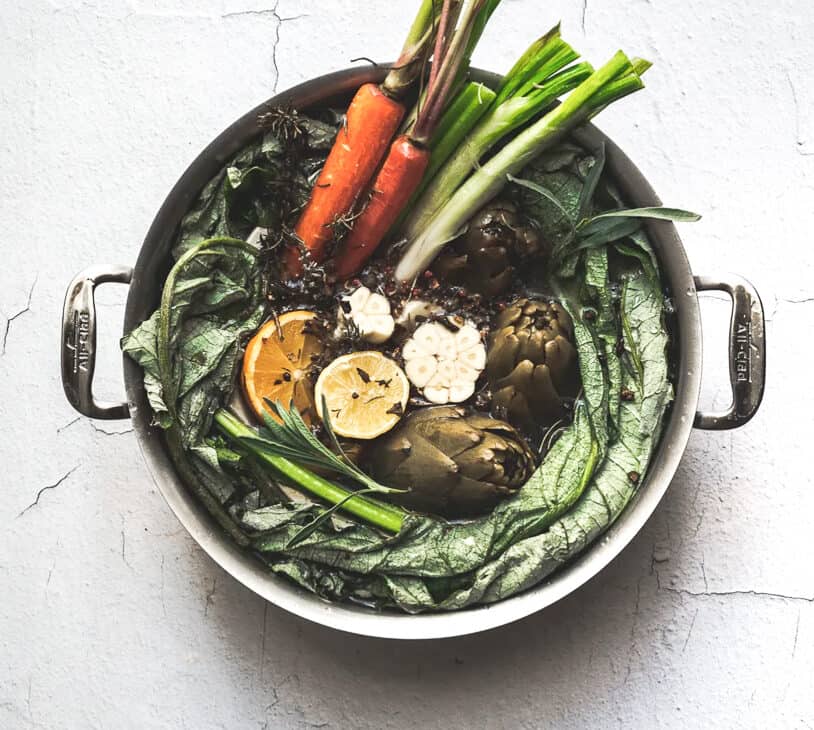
(286, 461)
(292, 439)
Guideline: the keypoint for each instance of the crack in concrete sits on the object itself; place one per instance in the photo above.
(716, 594)
(98, 429)
(689, 633)
(238, 13)
(25, 309)
(704, 571)
(46, 488)
(28, 699)
(799, 142)
(796, 634)
(210, 596)
(163, 605)
(751, 593)
(124, 554)
(274, 44)
(68, 425)
(584, 14)
(787, 300)
(276, 41)
(634, 624)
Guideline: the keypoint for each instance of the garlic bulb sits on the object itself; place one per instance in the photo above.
(444, 365)
(370, 312)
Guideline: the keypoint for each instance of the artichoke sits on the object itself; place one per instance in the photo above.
(484, 258)
(531, 362)
(453, 462)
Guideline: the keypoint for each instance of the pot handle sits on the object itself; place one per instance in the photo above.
(747, 352)
(79, 341)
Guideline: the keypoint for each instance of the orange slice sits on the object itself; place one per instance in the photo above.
(277, 364)
(365, 392)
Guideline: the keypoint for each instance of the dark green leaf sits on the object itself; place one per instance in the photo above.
(657, 213)
(586, 196)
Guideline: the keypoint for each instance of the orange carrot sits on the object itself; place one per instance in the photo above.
(371, 122)
(409, 157)
(372, 119)
(396, 181)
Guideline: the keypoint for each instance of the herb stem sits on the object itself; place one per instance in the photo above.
(377, 513)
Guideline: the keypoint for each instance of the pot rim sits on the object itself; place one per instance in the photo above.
(152, 264)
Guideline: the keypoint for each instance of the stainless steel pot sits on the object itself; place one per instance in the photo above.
(746, 367)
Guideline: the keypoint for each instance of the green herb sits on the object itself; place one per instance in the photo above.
(271, 453)
(292, 439)
(591, 231)
(189, 350)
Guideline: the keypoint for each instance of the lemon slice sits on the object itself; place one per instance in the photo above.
(365, 392)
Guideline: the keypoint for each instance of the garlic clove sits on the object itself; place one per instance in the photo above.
(376, 304)
(421, 370)
(370, 312)
(465, 373)
(413, 349)
(474, 357)
(376, 329)
(461, 391)
(432, 338)
(413, 310)
(358, 299)
(436, 394)
(445, 374)
(466, 338)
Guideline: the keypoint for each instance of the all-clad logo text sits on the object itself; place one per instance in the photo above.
(743, 341)
(79, 346)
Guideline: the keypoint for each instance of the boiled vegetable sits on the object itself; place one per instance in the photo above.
(282, 452)
(496, 243)
(371, 121)
(409, 155)
(369, 313)
(442, 364)
(455, 462)
(618, 78)
(530, 362)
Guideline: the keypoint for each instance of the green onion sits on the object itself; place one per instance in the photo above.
(534, 82)
(384, 516)
(615, 79)
(471, 103)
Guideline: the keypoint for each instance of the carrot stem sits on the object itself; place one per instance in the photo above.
(371, 122)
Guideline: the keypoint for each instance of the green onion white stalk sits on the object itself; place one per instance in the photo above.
(538, 78)
(617, 78)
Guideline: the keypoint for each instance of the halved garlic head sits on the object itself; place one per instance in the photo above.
(444, 365)
(370, 312)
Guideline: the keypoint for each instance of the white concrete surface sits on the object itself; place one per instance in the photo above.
(111, 616)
